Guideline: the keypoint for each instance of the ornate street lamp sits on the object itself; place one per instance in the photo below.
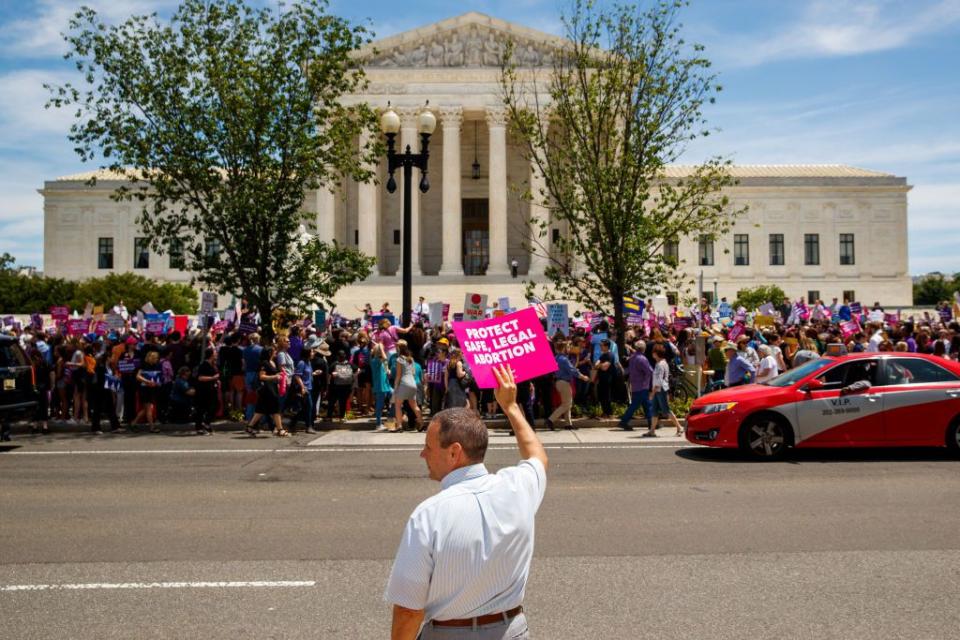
(390, 124)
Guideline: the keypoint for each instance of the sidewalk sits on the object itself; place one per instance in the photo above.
(501, 437)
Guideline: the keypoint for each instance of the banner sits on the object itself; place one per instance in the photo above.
(516, 339)
(504, 303)
(127, 365)
(632, 306)
(155, 323)
(558, 319)
(855, 308)
(761, 320)
(891, 318)
(735, 332)
(101, 328)
(474, 307)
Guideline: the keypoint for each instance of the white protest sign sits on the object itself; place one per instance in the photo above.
(208, 300)
(504, 304)
(876, 316)
(557, 319)
(474, 307)
(148, 308)
(436, 314)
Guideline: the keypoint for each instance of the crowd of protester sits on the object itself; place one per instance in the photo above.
(311, 377)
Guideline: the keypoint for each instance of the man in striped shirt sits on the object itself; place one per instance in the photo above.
(464, 557)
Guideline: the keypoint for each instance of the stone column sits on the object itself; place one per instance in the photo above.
(326, 213)
(452, 214)
(410, 137)
(367, 209)
(539, 222)
(497, 123)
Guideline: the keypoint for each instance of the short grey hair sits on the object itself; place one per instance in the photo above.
(462, 425)
(640, 345)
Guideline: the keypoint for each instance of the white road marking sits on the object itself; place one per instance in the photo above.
(318, 449)
(255, 584)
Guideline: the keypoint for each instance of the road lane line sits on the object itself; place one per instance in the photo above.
(250, 584)
(319, 449)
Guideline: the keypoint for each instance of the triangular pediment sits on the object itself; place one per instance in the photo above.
(470, 40)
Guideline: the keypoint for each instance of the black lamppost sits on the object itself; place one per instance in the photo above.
(390, 124)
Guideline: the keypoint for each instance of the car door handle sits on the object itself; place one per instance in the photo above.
(953, 393)
(873, 398)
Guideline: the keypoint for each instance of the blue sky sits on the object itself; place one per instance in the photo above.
(871, 83)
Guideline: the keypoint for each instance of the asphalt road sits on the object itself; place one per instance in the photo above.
(224, 537)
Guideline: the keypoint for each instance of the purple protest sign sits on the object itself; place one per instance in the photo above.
(516, 339)
(127, 365)
(856, 308)
(8, 321)
(60, 314)
(77, 327)
(36, 320)
(101, 328)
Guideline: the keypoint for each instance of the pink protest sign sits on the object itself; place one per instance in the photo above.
(516, 339)
(77, 327)
(849, 328)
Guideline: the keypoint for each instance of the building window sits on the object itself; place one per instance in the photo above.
(356, 236)
(105, 253)
(141, 253)
(847, 255)
(556, 235)
(741, 249)
(672, 298)
(813, 296)
(396, 236)
(850, 296)
(706, 251)
(671, 252)
(776, 249)
(811, 249)
(708, 296)
(211, 252)
(175, 251)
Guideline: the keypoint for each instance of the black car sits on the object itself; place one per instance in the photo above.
(18, 393)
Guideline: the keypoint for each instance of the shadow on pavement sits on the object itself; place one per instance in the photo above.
(797, 456)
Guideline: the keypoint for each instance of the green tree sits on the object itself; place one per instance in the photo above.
(751, 299)
(221, 120)
(135, 291)
(934, 289)
(625, 97)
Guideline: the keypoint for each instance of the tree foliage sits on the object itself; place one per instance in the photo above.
(222, 119)
(935, 288)
(751, 299)
(622, 101)
(36, 294)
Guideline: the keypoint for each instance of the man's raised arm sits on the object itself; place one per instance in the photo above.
(506, 394)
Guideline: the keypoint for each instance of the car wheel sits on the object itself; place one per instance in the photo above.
(764, 437)
(953, 436)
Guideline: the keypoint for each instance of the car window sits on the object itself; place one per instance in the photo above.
(916, 371)
(801, 372)
(843, 375)
(12, 356)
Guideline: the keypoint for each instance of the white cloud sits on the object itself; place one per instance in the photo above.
(829, 28)
(38, 34)
(22, 114)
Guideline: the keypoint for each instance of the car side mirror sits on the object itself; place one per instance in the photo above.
(812, 385)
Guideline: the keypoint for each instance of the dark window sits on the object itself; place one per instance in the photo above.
(175, 251)
(706, 251)
(556, 235)
(916, 371)
(211, 252)
(849, 295)
(776, 249)
(356, 236)
(707, 295)
(741, 249)
(847, 254)
(843, 375)
(811, 249)
(813, 296)
(141, 253)
(672, 297)
(396, 236)
(671, 252)
(105, 253)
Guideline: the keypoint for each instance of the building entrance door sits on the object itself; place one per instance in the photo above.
(476, 236)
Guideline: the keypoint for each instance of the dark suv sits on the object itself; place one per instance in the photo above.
(18, 394)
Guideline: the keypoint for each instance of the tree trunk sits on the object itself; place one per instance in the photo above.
(618, 321)
(265, 307)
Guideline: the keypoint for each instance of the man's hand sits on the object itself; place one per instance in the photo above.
(506, 391)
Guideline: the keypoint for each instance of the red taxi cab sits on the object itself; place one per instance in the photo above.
(857, 400)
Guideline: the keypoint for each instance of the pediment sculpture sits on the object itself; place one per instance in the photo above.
(471, 47)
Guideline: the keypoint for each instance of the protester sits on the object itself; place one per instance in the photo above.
(640, 372)
(405, 387)
(464, 558)
(564, 379)
(268, 395)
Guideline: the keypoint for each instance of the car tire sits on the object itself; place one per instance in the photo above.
(765, 437)
(953, 436)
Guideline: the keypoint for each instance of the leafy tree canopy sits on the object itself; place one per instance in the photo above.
(621, 102)
(222, 119)
(935, 288)
(751, 299)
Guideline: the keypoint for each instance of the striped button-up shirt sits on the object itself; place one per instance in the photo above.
(466, 551)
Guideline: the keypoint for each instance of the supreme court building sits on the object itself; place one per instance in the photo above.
(815, 230)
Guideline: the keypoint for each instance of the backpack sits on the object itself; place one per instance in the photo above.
(342, 373)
